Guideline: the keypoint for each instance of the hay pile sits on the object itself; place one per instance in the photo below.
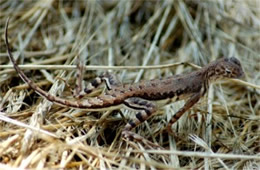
(220, 132)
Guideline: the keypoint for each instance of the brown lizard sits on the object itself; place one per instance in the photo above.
(142, 96)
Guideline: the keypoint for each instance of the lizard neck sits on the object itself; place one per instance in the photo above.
(209, 73)
(208, 76)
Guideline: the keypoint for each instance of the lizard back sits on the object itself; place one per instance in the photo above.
(178, 86)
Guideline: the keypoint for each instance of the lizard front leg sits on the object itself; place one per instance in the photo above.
(192, 100)
(147, 108)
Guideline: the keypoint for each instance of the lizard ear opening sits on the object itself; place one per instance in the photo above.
(217, 71)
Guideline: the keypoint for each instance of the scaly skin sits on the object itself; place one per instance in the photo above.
(141, 96)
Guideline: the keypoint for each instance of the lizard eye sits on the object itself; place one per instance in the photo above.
(228, 71)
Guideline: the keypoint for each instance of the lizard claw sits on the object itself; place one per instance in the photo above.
(131, 135)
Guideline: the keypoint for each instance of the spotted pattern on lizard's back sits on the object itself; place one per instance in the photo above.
(142, 96)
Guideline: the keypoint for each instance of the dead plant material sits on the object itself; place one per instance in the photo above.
(222, 132)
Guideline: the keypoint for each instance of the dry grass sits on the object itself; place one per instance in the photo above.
(221, 132)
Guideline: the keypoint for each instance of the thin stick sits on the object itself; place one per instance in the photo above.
(94, 67)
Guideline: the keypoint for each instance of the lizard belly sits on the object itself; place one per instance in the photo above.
(167, 101)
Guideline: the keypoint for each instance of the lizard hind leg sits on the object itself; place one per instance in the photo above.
(78, 92)
(146, 108)
(109, 79)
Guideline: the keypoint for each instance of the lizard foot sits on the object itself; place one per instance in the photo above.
(169, 131)
(128, 135)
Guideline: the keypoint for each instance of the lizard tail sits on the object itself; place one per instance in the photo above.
(92, 103)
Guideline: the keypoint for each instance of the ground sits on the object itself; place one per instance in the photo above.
(221, 132)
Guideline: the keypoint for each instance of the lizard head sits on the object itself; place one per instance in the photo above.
(227, 68)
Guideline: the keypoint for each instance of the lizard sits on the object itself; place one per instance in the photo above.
(142, 96)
